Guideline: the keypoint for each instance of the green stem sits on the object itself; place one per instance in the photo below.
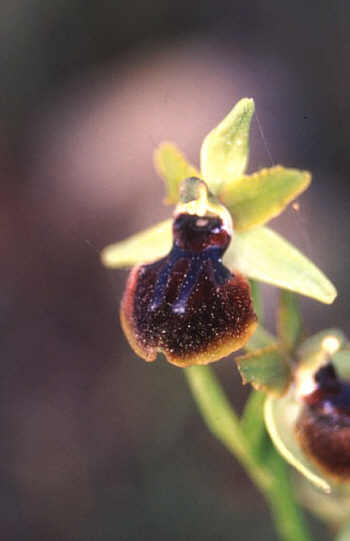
(287, 515)
(272, 478)
(220, 418)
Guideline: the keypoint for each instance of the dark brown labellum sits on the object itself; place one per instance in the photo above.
(323, 428)
(188, 305)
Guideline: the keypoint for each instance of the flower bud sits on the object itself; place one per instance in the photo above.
(323, 428)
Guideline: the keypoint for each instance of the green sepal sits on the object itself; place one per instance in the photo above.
(316, 343)
(265, 369)
(225, 150)
(253, 200)
(289, 324)
(173, 168)
(263, 255)
(281, 414)
(149, 245)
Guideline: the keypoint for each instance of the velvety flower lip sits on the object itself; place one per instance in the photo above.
(188, 305)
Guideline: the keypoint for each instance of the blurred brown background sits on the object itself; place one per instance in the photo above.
(95, 444)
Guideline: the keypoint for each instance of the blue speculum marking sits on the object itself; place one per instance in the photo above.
(162, 279)
(208, 260)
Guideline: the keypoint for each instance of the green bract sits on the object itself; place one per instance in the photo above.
(267, 369)
(252, 200)
(268, 363)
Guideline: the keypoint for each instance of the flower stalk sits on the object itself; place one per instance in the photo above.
(270, 476)
(188, 297)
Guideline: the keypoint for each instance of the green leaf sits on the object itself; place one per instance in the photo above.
(281, 415)
(173, 168)
(262, 254)
(150, 244)
(288, 320)
(266, 369)
(224, 152)
(253, 200)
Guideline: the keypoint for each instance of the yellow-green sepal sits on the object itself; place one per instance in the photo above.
(281, 414)
(173, 168)
(152, 243)
(263, 255)
(225, 150)
(253, 200)
(327, 342)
